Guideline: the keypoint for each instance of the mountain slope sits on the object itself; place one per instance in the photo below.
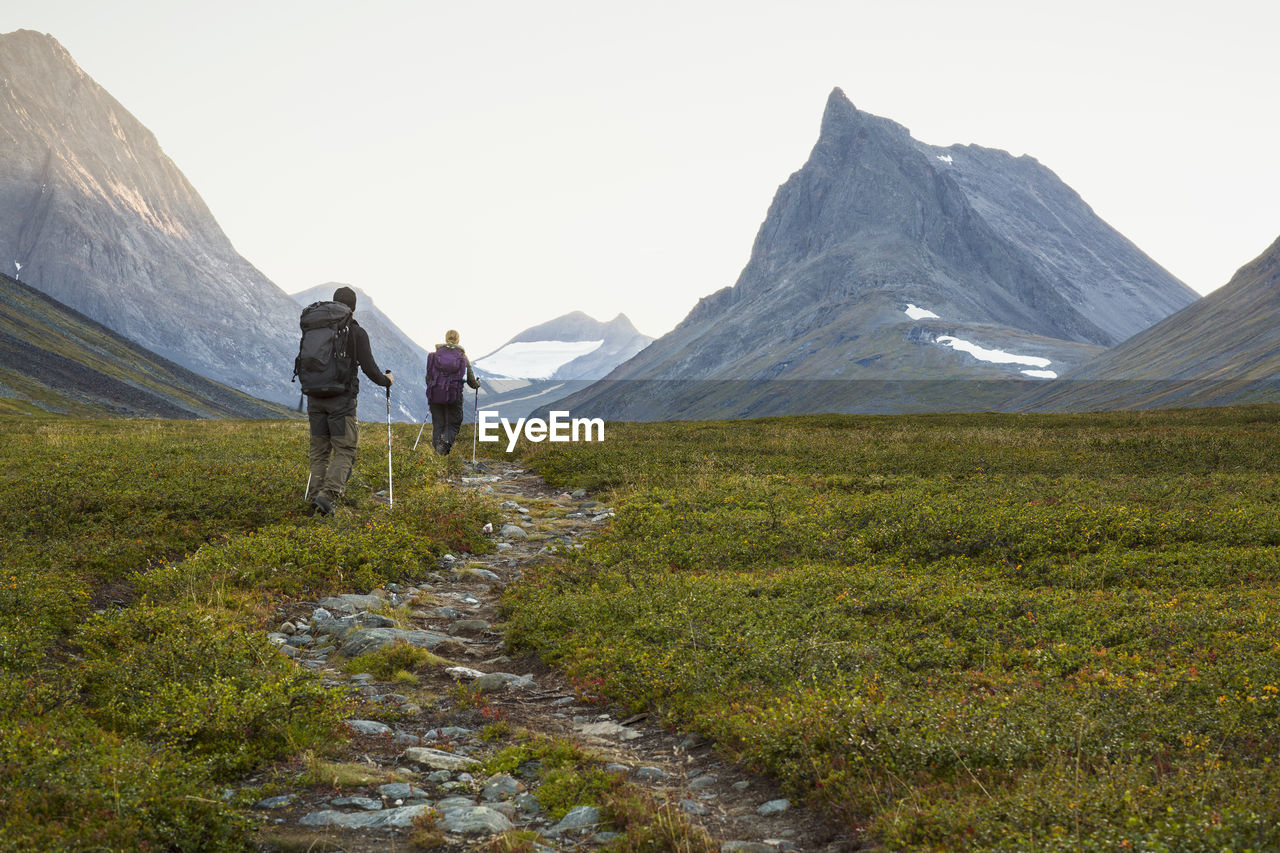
(55, 359)
(95, 215)
(1221, 350)
(875, 233)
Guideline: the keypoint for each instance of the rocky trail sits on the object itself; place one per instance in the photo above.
(416, 748)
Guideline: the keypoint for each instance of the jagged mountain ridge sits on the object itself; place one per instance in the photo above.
(619, 340)
(1002, 251)
(1221, 350)
(55, 359)
(539, 364)
(94, 214)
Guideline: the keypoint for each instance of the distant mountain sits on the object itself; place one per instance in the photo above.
(553, 359)
(1222, 350)
(94, 214)
(55, 359)
(572, 346)
(891, 275)
(393, 350)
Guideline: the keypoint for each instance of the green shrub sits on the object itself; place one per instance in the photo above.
(200, 682)
(389, 661)
(66, 784)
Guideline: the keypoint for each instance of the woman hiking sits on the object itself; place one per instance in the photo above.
(447, 369)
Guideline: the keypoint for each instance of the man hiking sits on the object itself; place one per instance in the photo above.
(447, 368)
(326, 366)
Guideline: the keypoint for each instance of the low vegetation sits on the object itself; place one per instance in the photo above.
(952, 632)
(977, 632)
(142, 564)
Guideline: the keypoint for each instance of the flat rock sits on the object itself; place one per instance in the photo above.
(371, 639)
(475, 821)
(401, 791)
(608, 728)
(513, 531)
(369, 804)
(400, 818)
(351, 603)
(579, 819)
(281, 802)
(438, 760)
(501, 787)
(651, 774)
(492, 682)
(773, 807)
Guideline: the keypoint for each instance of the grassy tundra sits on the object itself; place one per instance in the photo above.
(141, 562)
(954, 632)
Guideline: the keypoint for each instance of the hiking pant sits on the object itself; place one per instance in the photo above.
(446, 420)
(334, 432)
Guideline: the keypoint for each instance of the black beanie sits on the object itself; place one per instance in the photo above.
(346, 296)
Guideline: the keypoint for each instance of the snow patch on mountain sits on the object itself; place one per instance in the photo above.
(916, 313)
(535, 359)
(995, 356)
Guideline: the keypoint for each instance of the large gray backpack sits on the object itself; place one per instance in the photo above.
(325, 363)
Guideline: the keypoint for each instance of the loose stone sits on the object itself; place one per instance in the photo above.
(773, 807)
(369, 804)
(475, 820)
(579, 819)
(400, 818)
(401, 791)
(281, 802)
(437, 760)
(501, 787)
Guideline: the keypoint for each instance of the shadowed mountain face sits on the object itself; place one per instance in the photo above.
(95, 215)
(874, 260)
(1222, 350)
(55, 359)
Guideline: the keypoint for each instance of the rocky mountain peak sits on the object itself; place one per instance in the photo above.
(882, 255)
(95, 215)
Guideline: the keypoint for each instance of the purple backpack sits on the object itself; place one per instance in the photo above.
(446, 371)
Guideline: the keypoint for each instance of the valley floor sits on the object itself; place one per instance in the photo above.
(708, 803)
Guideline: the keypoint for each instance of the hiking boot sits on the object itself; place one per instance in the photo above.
(323, 505)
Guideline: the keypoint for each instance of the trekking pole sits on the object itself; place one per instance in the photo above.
(475, 428)
(391, 492)
(426, 418)
(307, 491)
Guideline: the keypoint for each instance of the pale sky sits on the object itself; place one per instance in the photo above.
(489, 166)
